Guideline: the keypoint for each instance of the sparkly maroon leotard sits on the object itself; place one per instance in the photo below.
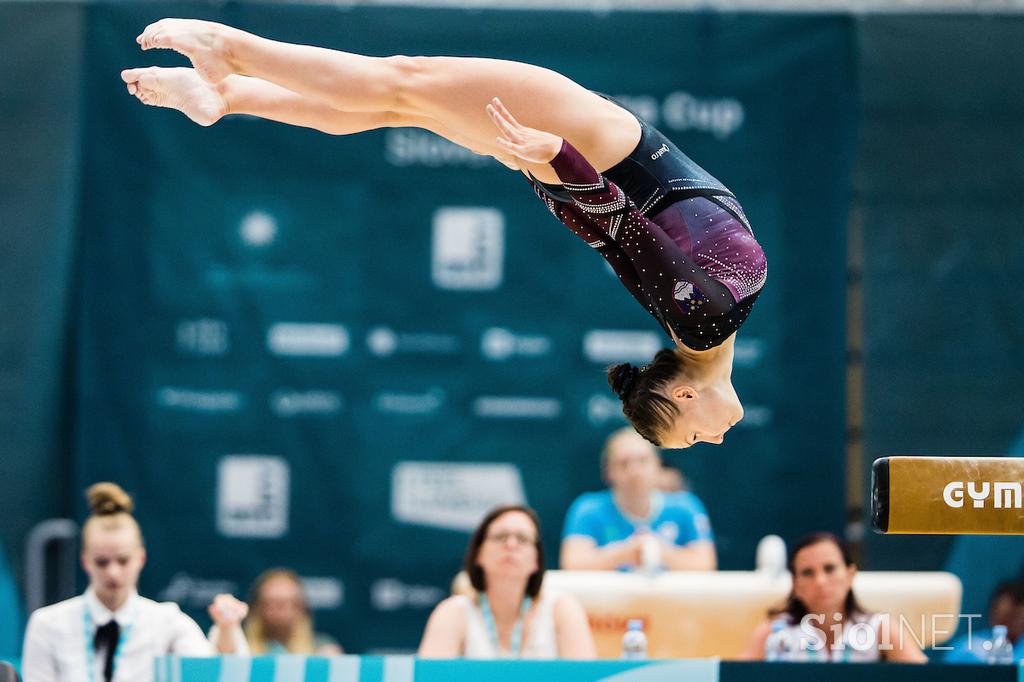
(693, 264)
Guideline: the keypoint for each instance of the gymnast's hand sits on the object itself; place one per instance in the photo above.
(529, 144)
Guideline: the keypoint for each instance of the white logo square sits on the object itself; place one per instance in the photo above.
(252, 496)
(468, 248)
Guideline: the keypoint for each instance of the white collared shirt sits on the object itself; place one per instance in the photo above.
(56, 649)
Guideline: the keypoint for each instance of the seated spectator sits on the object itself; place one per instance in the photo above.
(279, 620)
(671, 479)
(508, 615)
(821, 617)
(110, 632)
(634, 524)
(1006, 607)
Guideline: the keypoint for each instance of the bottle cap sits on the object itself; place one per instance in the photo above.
(770, 556)
(635, 624)
(999, 631)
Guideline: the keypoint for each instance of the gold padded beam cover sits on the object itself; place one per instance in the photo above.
(948, 495)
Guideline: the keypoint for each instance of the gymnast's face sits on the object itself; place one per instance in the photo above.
(821, 578)
(705, 414)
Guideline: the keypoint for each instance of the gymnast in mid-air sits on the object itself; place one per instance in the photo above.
(676, 237)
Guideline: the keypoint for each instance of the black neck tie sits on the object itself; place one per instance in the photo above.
(107, 637)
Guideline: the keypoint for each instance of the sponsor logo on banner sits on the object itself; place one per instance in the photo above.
(258, 229)
(468, 248)
(747, 352)
(288, 403)
(497, 343)
(252, 496)
(307, 340)
(195, 593)
(602, 409)
(323, 593)
(391, 594)
(453, 496)
(516, 407)
(204, 336)
(384, 342)
(615, 623)
(413, 147)
(195, 400)
(395, 402)
(609, 346)
(1005, 494)
(721, 117)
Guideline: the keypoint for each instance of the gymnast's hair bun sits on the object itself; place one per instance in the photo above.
(622, 379)
(106, 499)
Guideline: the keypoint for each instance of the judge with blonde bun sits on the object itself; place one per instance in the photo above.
(111, 633)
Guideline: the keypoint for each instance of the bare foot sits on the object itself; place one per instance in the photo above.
(201, 41)
(180, 89)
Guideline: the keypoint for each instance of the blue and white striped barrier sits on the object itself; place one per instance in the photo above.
(409, 669)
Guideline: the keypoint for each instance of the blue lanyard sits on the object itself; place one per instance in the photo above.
(90, 647)
(517, 629)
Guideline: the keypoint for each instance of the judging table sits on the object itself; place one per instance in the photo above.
(409, 669)
(693, 614)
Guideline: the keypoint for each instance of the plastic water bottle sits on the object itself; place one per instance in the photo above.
(634, 642)
(999, 651)
(650, 554)
(778, 646)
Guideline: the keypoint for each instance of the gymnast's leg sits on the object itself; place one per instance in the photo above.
(206, 103)
(451, 90)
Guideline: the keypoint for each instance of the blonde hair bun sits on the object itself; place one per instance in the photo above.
(106, 499)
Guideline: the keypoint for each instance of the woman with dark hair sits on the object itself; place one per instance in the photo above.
(677, 237)
(821, 617)
(509, 615)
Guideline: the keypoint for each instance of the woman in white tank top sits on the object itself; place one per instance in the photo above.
(822, 618)
(507, 615)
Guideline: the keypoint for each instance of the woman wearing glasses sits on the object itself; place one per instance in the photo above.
(509, 615)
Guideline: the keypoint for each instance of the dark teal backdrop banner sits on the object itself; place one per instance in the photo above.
(39, 176)
(334, 353)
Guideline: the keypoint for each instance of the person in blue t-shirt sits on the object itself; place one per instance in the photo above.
(1006, 607)
(633, 524)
